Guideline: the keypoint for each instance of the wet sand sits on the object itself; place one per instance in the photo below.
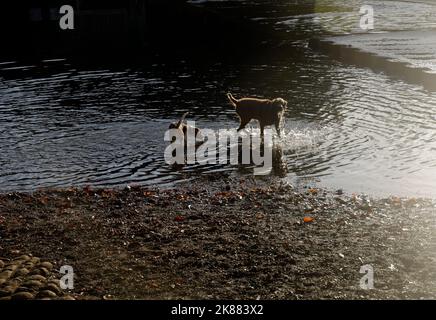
(226, 238)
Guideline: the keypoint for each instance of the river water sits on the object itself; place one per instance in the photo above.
(350, 128)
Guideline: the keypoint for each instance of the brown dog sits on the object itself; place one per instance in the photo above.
(267, 112)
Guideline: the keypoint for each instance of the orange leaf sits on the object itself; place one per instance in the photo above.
(307, 219)
(313, 191)
(148, 193)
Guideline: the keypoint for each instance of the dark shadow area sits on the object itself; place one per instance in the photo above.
(108, 30)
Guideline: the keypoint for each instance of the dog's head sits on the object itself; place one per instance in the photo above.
(178, 124)
(174, 125)
(280, 104)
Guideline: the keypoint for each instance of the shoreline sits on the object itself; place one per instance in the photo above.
(225, 238)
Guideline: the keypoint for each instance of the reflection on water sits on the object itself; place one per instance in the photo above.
(343, 16)
(350, 127)
(63, 124)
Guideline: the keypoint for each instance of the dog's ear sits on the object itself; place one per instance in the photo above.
(177, 125)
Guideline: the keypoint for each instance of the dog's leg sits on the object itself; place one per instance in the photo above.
(262, 137)
(278, 128)
(243, 123)
(262, 127)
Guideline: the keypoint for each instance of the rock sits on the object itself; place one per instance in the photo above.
(46, 294)
(340, 200)
(2, 264)
(55, 282)
(7, 291)
(5, 275)
(35, 260)
(67, 298)
(21, 272)
(10, 287)
(37, 277)
(36, 272)
(46, 265)
(54, 288)
(23, 289)
(22, 258)
(11, 267)
(40, 271)
(44, 271)
(13, 282)
(22, 296)
(32, 284)
(28, 265)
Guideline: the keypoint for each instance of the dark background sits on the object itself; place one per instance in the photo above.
(117, 28)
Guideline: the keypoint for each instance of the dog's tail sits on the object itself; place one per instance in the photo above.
(232, 99)
(181, 120)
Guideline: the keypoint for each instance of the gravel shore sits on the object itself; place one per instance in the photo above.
(224, 238)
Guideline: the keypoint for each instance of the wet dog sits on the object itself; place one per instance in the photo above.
(267, 112)
(183, 127)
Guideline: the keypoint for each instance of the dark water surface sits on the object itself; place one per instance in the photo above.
(63, 123)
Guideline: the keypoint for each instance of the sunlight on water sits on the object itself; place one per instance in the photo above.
(306, 139)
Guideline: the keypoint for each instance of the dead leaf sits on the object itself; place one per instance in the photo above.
(313, 191)
(179, 218)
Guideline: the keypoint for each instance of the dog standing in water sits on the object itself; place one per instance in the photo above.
(183, 127)
(267, 112)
